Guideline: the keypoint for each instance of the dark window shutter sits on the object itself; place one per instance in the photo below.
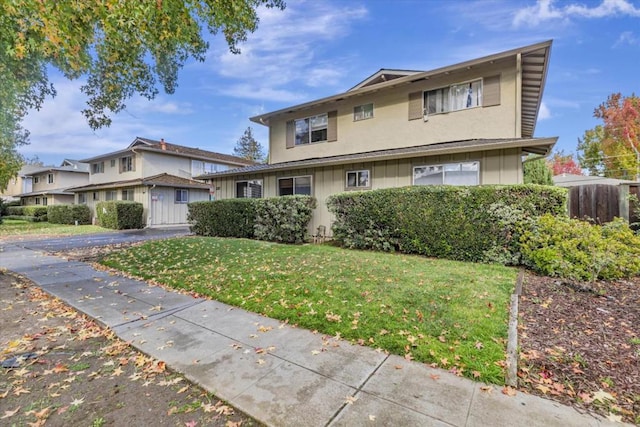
(332, 126)
(415, 105)
(291, 137)
(491, 91)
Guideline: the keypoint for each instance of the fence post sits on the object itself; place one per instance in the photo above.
(623, 201)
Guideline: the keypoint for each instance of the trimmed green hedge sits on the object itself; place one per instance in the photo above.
(69, 214)
(223, 218)
(15, 210)
(278, 219)
(284, 219)
(476, 223)
(120, 214)
(39, 213)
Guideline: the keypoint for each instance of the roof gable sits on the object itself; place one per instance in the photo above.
(382, 76)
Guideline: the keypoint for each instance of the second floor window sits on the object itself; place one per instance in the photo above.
(97, 167)
(50, 178)
(126, 164)
(453, 98)
(312, 129)
(36, 179)
(362, 112)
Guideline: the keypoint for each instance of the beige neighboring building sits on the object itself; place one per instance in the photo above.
(158, 174)
(464, 124)
(21, 183)
(49, 185)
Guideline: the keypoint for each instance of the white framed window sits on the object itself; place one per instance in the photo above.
(97, 167)
(126, 164)
(96, 196)
(127, 194)
(182, 196)
(37, 200)
(358, 179)
(251, 189)
(112, 163)
(459, 96)
(111, 195)
(45, 201)
(311, 129)
(50, 178)
(363, 112)
(460, 173)
(296, 185)
(82, 198)
(36, 179)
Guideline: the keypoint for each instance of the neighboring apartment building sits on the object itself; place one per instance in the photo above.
(155, 173)
(49, 185)
(21, 183)
(464, 124)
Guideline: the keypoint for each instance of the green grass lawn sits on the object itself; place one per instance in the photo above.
(11, 227)
(451, 314)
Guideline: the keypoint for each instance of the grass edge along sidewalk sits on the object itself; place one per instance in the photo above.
(449, 314)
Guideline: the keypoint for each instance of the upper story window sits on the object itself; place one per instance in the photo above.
(358, 179)
(462, 173)
(50, 178)
(249, 189)
(112, 163)
(182, 196)
(363, 112)
(453, 98)
(294, 185)
(36, 179)
(198, 167)
(127, 164)
(97, 167)
(312, 129)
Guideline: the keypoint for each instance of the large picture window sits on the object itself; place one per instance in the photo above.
(453, 98)
(358, 179)
(463, 173)
(249, 189)
(294, 186)
(311, 130)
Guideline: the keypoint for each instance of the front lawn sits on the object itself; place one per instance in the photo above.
(450, 314)
(17, 227)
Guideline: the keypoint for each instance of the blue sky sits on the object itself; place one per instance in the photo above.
(317, 48)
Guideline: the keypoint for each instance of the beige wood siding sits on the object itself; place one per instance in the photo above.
(389, 128)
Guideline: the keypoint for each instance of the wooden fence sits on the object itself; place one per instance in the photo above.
(602, 202)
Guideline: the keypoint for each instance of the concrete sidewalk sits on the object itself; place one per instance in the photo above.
(278, 374)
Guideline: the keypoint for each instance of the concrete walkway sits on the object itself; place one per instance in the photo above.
(278, 374)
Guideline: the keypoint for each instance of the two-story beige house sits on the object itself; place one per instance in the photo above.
(465, 124)
(49, 185)
(20, 184)
(158, 174)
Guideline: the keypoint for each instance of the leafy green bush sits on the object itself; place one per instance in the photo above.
(223, 218)
(284, 219)
(120, 214)
(463, 223)
(15, 210)
(69, 214)
(570, 248)
(39, 213)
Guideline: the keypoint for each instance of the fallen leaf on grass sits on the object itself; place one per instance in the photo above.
(8, 414)
(183, 389)
(602, 395)
(77, 402)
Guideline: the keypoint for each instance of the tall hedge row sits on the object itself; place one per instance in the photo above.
(463, 223)
(69, 214)
(39, 213)
(120, 215)
(223, 218)
(278, 219)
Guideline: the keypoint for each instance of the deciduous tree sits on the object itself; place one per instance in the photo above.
(119, 48)
(564, 163)
(614, 147)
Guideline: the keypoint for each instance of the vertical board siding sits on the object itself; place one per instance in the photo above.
(598, 202)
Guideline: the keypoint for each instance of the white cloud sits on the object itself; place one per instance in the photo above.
(544, 112)
(249, 91)
(546, 10)
(627, 38)
(288, 49)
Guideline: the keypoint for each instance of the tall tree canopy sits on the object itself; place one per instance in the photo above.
(613, 148)
(248, 148)
(120, 48)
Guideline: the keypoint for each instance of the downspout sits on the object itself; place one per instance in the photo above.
(150, 204)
